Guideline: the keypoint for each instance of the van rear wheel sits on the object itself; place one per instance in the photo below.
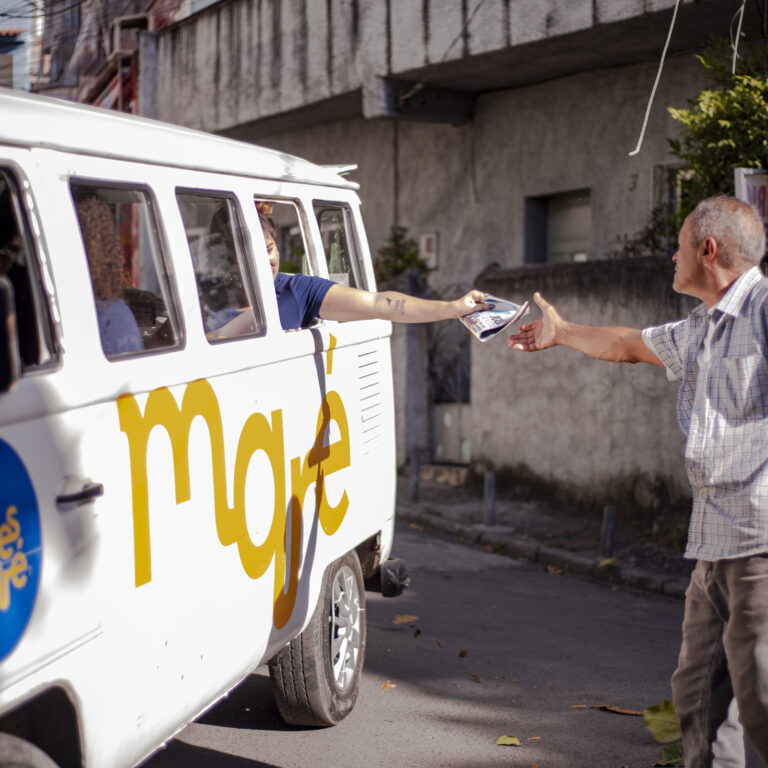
(17, 753)
(316, 677)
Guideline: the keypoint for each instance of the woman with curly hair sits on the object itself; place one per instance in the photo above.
(119, 330)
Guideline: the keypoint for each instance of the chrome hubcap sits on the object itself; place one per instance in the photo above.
(345, 621)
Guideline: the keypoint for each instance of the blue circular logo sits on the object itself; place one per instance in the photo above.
(20, 554)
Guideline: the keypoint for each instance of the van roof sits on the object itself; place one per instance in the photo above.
(31, 120)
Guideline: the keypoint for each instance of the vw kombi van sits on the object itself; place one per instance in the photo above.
(178, 505)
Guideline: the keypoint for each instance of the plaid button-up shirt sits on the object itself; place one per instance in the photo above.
(722, 408)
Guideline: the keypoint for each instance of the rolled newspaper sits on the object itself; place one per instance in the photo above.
(486, 323)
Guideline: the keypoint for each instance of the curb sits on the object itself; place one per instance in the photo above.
(504, 542)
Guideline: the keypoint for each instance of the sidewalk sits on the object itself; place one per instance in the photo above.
(551, 537)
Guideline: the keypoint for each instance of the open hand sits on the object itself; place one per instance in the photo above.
(541, 333)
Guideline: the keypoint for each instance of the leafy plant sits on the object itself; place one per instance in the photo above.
(672, 757)
(398, 254)
(662, 721)
(724, 127)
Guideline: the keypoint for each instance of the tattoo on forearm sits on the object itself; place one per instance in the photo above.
(389, 301)
(400, 306)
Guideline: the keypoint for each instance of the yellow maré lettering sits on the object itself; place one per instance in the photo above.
(9, 532)
(257, 434)
(15, 574)
(320, 461)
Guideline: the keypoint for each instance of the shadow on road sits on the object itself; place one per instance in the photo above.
(250, 706)
(177, 753)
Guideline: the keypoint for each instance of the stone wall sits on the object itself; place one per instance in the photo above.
(590, 431)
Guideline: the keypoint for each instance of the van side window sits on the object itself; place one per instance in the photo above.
(334, 223)
(128, 274)
(218, 248)
(283, 218)
(18, 264)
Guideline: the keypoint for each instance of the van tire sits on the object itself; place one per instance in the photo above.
(313, 683)
(17, 753)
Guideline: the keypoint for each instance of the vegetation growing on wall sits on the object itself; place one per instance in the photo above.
(398, 254)
(724, 127)
(657, 237)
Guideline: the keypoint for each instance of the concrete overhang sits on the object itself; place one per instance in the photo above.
(445, 91)
(634, 41)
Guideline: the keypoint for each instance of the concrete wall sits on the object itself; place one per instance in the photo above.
(593, 431)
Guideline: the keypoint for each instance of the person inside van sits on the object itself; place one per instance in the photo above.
(14, 266)
(119, 330)
(302, 299)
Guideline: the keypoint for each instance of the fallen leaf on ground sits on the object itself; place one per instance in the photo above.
(417, 632)
(554, 570)
(672, 757)
(578, 706)
(386, 684)
(438, 644)
(416, 526)
(508, 741)
(609, 561)
(477, 678)
(462, 653)
(534, 738)
(404, 618)
(662, 721)
(618, 710)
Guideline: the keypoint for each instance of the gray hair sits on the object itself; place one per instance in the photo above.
(735, 226)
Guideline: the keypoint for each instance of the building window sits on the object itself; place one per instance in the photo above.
(558, 228)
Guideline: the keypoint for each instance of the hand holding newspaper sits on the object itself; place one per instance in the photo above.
(486, 323)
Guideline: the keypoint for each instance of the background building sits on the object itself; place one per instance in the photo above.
(499, 133)
(21, 27)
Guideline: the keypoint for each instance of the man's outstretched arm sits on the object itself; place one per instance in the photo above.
(604, 342)
(343, 303)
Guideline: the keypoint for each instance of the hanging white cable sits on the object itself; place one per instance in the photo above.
(735, 43)
(656, 83)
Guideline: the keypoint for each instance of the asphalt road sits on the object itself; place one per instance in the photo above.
(495, 647)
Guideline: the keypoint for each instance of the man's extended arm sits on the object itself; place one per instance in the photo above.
(614, 343)
(343, 303)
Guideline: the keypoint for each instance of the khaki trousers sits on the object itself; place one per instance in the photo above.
(720, 687)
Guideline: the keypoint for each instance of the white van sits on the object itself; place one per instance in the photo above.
(177, 505)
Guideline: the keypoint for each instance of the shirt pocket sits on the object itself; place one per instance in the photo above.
(740, 387)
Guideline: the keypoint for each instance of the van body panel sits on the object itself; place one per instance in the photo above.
(171, 512)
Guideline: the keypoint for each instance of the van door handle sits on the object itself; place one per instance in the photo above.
(86, 493)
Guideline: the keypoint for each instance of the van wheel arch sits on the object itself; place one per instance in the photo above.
(61, 744)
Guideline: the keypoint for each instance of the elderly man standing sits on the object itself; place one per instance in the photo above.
(719, 356)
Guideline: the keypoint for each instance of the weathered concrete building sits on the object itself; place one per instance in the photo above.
(500, 132)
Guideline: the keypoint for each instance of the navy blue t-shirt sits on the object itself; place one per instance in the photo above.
(299, 298)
